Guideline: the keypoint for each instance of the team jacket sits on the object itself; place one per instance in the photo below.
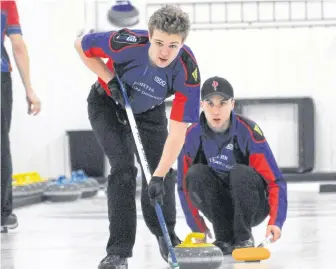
(244, 143)
(127, 52)
(10, 24)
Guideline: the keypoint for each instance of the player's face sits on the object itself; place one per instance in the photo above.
(217, 111)
(164, 48)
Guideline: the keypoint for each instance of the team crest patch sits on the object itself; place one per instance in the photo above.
(126, 38)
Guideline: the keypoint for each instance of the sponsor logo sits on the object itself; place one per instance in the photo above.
(160, 81)
(218, 158)
(229, 146)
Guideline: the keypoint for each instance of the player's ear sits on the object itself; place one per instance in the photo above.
(233, 103)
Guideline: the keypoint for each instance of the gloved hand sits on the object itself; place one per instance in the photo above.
(116, 91)
(156, 190)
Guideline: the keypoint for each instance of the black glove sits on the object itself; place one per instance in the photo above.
(116, 91)
(156, 190)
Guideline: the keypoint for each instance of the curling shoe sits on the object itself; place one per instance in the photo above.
(12, 222)
(163, 246)
(225, 247)
(113, 262)
(249, 243)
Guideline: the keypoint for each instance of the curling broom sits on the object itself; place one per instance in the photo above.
(253, 254)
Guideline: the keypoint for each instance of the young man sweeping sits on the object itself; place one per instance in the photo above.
(153, 65)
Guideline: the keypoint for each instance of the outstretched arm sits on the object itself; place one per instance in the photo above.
(172, 147)
(195, 222)
(262, 160)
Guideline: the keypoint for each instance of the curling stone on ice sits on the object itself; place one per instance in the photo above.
(87, 189)
(35, 188)
(24, 186)
(253, 254)
(62, 190)
(123, 14)
(40, 182)
(20, 187)
(81, 174)
(192, 255)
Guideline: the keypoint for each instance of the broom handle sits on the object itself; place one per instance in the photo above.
(266, 241)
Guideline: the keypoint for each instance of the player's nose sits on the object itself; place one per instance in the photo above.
(164, 52)
(215, 111)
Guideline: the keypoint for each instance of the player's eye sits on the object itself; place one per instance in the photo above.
(224, 103)
(159, 43)
(173, 46)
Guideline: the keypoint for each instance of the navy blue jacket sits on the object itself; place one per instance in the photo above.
(127, 50)
(243, 143)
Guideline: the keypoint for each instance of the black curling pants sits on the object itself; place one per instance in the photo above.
(118, 145)
(6, 159)
(233, 202)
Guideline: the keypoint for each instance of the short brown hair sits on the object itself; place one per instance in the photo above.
(171, 20)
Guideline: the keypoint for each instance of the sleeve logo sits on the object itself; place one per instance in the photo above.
(194, 74)
(257, 129)
(122, 38)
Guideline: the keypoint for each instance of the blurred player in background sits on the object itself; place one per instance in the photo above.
(153, 65)
(227, 171)
(10, 27)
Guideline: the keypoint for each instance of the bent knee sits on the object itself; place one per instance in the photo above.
(197, 169)
(242, 173)
(199, 176)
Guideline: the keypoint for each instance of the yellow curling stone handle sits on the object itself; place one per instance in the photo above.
(188, 242)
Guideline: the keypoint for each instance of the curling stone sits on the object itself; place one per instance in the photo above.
(22, 181)
(91, 180)
(87, 189)
(192, 255)
(35, 188)
(38, 180)
(20, 188)
(62, 190)
(123, 14)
